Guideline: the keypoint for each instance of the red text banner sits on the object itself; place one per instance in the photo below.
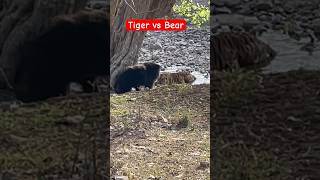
(156, 25)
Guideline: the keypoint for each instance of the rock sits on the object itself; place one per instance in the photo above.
(305, 25)
(222, 10)
(70, 120)
(171, 48)
(231, 3)
(218, 3)
(17, 139)
(228, 3)
(277, 27)
(144, 50)
(98, 4)
(75, 88)
(264, 17)
(250, 22)
(278, 10)
(215, 27)
(203, 165)
(316, 13)
(245, 10)
(230, 20)
(316, 24)
(120, 178)
(263, 5)
(316, 27)
(277, 19)
(290, 6)
(277, 2)
(9, 105)
(225, 28)
(155, 46)
(259, 29)
(182, 43)
(307, 13)
(205, 3)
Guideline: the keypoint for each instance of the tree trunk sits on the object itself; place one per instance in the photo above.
(22, 21)
(125, 45)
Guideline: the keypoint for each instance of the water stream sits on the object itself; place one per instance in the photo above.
(289, 56)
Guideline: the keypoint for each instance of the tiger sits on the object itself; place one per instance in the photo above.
(235, 50)
(175, 78)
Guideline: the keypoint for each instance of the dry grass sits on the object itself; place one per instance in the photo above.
(267, 126)
(162, 133)
(60, 138)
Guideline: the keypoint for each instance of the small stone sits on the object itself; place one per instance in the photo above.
(250, 22)
(316, 24)
(120, 178)
(294, 119)
(218, 3)
(277, 19)
(155, 46)
(203, 165)
(75, 87)
(229, 19)
(264, 17)
(222, 10)
(263, 5)
(231, 3)
(70, 120)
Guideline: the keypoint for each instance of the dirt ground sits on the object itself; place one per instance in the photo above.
(162, 133)
(157, 134)
(61, 138)
(267, 126)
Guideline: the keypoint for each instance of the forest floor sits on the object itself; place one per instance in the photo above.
(162, 133)
(267, 126)
(159, 133)
(60, 138)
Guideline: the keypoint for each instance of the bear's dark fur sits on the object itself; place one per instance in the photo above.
(75, 47)
(138, 75)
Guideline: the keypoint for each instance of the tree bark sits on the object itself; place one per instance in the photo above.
(22, 21)
(125, 45)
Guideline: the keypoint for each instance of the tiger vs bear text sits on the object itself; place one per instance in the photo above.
(156, 25)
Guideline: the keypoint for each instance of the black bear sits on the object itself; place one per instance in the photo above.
(75, 47)
(138, 75)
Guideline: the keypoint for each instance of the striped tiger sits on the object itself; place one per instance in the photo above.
(175, 78)
(234, 50)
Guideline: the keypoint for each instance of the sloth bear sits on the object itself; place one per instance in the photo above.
(135, 76)
(74, 48)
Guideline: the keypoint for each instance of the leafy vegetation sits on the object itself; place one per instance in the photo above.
(195, 13)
